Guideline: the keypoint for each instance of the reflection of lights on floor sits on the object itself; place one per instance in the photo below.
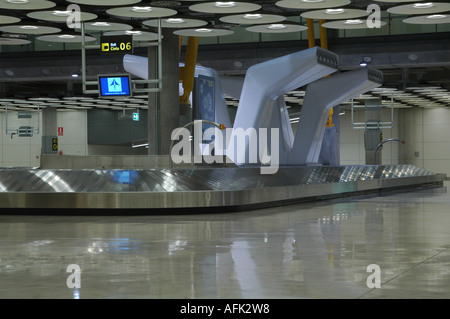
(125, 177)
(332, 219)
(177, 245)
(114, 244)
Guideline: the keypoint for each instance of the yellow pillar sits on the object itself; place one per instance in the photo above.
(323, 35)
(311, 37)
(188, 73)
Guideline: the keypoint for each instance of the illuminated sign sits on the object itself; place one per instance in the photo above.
(114, 85)
(54, 144)
(116, 44)
(136, 117)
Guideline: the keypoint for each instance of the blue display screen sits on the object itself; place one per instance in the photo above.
(115, 85)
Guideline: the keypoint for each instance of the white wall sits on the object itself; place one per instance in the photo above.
(26, 151)
(352, 150)
(74, 138)
(19, 151)
(428, 133)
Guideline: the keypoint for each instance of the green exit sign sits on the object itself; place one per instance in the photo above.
(135, 116)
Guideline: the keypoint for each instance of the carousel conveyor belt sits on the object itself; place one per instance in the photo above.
(168, 189)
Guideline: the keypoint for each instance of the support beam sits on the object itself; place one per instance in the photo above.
(323, 35)
(311, 36)
(266, 82)
(188, 73)
(316, 106)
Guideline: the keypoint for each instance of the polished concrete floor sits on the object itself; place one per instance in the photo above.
(319, 250)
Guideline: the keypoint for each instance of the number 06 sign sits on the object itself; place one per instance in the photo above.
(116, 44)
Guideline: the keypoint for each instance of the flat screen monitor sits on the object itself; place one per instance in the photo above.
(114, 85)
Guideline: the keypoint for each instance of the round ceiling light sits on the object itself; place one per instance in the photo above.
(425, 5)
(311, 4)
(420, 8)
(428, 19)
(110, 3)
(248, 18)
(334, 14)
(141, 12)
(224, 7)
(8, 19)
(29, 29)
(349, 24)
(106, 26)
(398, 1)
(141, 9)
(26, 4)
(277, 28)
(176, 23)
(203, 32)
(65, 38)
(138, 35)
(437, 16)
(13, 41)
(59, 15)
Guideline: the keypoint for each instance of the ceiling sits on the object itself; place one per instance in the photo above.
(411, 63)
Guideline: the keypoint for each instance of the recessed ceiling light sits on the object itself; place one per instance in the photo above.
(312, 0)
(437, 16)
(334, 11)
(253, 16)
(29, 27)
(357, 21)
(62, 13)
(175, 20)
(276, 26)
(142, 9)
(365, 61)
(101, 24)
(66, 36)
(423, 5)
(228, 4)
(131, 32)
(203, 30)
(17, 1)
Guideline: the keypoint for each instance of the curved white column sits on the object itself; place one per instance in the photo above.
(264, 85)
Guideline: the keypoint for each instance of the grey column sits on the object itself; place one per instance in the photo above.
(153, 118)
(373, 135)
(164, 107)
(49, 129)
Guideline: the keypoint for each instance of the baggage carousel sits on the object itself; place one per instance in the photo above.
(192, 190)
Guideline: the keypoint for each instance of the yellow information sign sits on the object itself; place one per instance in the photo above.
(116, 44)
(54, 144)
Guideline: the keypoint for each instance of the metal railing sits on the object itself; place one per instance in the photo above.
(381, 144)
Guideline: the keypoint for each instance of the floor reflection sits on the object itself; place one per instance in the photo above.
(311, 250)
